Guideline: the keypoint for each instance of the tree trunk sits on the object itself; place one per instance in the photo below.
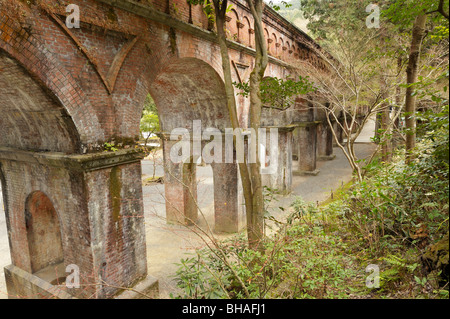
(256, 232)
(398, 108)
(411, 75)
(386, 136)
(386, 148)
(378, 126)
(220, 10)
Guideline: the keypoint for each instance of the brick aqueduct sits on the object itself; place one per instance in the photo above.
(65, 92)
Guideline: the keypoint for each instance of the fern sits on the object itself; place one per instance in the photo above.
(395, 261)
(401, 263)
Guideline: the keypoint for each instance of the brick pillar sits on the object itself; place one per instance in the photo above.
(336, 129)
(116, 214)
(340, 130)
(180, 188)
(295, 146)
(306, 137)
(228, 199)
(98, 201)
(325, 142)
(278, 175)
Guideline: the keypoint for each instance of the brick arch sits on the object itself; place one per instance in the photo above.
(201, 52)
(44, 231)
(246, 36)
(304, 54)
(31, 118)
(232, 25)
(288, 51)
(31, 54)
(267, 36)
(281, 52)
(294, 53)
(189, 89)
(154, 63)
(274, 48)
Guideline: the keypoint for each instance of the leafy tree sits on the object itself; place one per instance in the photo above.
(406, 14)
(361, 72)
(149, 120)
(279, 93)
(368, 64)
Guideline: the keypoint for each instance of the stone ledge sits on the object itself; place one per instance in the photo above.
(326, 157)
(306, 173)
(23, 285)
(281, 128)
(307, 124)
(148, 288)
(87, 162)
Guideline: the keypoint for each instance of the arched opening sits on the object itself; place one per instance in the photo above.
(43, 232)
(188, 93)
(32, 119)
(274, 46)
(288, 49)
(267, 36)
(247, 33)
(232, 25)
(189, 90)
(282, 48)
(149, 130)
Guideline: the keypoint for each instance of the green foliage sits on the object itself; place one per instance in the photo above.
(278, 93)
(208, 8)
(149, 123)
(319, 252)
(300, 262)
(150, 120)
(435, 127)
(439, 33)
(149, 106)
(327, 19)
(110, 147)
(196, 281)
(277, 6)
(402, 13)
(402, 203)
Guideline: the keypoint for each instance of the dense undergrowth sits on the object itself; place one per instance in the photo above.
(388, 221)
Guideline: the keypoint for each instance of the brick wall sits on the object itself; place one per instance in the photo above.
(74, 65)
